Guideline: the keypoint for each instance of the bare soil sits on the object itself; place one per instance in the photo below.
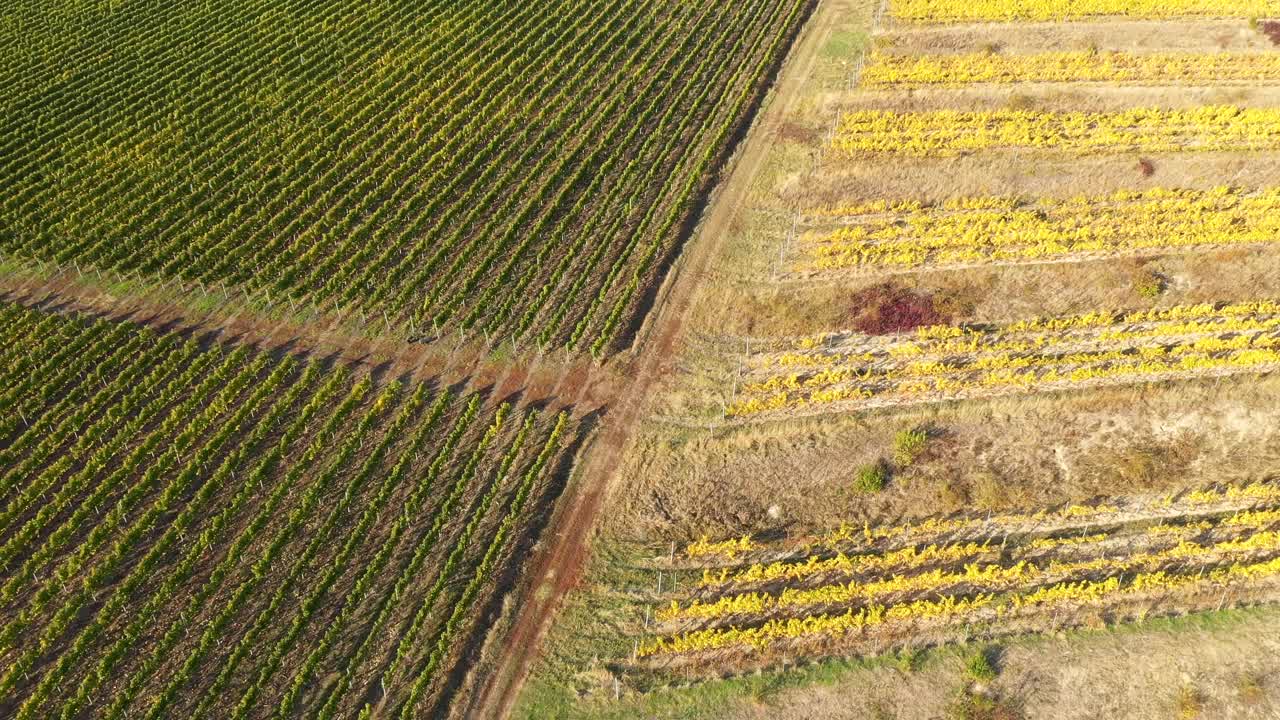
(1126, 35)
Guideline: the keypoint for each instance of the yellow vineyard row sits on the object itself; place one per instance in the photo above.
(982, 352)
(937, 382)
(952, 132)
(1008, 232)
(1027, 336)
(846, 536)
(890, 71)
(975, 576)
(948, 607)
(956, 11)
(895, 561)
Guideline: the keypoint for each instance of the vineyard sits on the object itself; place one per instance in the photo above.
(197, 531)
(983, 368)
(944, 133)
(942, 363)
(898, 71)
(297, 152)
(1003, 230)
(956, 11)
(667, 358)
(859, 587)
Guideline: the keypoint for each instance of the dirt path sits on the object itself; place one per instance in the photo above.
(555, 379)
(559, 567)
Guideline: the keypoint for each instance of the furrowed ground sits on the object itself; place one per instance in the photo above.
(402, 162)
(977, 414)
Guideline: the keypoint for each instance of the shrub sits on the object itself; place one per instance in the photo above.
(870, 479)
(1148, 283)
(980, 665)
(908, 446)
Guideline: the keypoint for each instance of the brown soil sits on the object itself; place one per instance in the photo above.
(1126, 35)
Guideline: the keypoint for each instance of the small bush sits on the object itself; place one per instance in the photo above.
(908, 445)
(1146, 167)
(980, 665)
(870, 479)
(1148, 283)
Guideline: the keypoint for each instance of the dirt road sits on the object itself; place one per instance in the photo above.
(558, 568)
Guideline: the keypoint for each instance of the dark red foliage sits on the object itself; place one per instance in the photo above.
(1271, 28)
(887, 308)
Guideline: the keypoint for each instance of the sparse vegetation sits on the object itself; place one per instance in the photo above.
(1189, 703)
(870, 479)
(909, 445)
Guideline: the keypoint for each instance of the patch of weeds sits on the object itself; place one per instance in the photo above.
(909, 445)
(989, 492)
(1149, 283)
(844, 44)
(1021, 101)
(870, 479)
(972, 706)
(982, 664)
(880, 711)
(910, 659)
(1270, 28)
(1147, 167)
(888, 308)
(1250, 690)
(1189, 703)
(952, 497)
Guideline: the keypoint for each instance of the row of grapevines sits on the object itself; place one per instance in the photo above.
(201, 530)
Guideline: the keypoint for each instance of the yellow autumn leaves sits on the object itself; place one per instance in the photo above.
(915, 584)
(956, 11)
(1012, 230)
(942, 133)
(949, 362)
(887, 70)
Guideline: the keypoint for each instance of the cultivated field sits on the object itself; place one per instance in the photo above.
(675, 359)
(985, 363)
(208, 531)
(402, 163)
